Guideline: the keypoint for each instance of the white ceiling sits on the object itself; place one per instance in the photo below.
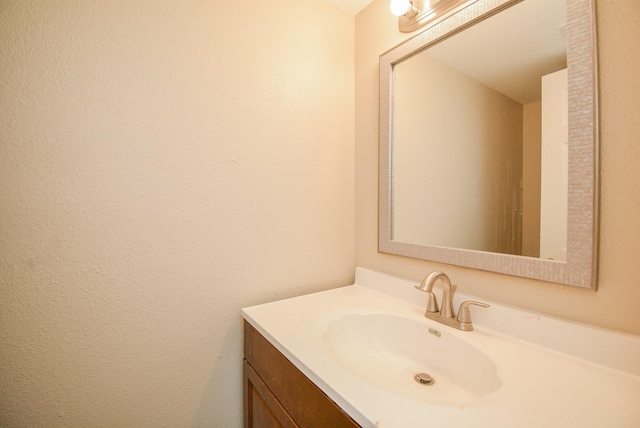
(478, 50)
(511, 50)
(351, 6)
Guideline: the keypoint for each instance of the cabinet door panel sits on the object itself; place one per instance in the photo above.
(302, 400)
(261, 408)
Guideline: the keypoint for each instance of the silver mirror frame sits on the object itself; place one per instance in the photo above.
(580, 269)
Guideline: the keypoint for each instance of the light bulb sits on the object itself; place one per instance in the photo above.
(400, 7)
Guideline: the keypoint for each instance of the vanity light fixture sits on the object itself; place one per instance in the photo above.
(415, 14)
(403, 8)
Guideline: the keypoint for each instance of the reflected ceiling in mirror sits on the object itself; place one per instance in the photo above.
(503, 196)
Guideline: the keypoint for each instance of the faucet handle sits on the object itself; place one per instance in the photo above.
(463, 314)
(432, 302)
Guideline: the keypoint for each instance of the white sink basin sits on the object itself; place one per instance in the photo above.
(387, 351)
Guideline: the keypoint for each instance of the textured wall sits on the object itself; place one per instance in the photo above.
(616, 304)
(163, 164)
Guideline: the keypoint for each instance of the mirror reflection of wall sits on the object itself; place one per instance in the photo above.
(554, 167)
(467, 144)
(467, 140)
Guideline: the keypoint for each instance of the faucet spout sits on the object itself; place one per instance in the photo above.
(446, 310)
(447, 293)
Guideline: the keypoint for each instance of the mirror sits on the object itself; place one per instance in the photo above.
(488, 141)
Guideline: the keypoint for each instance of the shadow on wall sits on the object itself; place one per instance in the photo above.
(221, 403)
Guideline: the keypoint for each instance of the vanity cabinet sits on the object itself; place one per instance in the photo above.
(277, 394)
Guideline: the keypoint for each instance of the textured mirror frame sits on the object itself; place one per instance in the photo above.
(580, 269)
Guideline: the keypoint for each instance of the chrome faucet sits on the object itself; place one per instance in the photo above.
(445, 314)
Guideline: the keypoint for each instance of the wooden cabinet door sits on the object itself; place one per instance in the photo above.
(292, 393)
(261, 409)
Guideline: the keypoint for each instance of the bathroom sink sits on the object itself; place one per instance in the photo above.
(388, 351)
(363, 344)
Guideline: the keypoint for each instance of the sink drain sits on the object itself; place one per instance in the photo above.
(424, 379)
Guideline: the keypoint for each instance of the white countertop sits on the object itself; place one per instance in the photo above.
(554, 373)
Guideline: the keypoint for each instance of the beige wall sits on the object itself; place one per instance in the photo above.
(531, 152)
(163, 164)
(554, 166)
(617, 303)
(457, 142)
